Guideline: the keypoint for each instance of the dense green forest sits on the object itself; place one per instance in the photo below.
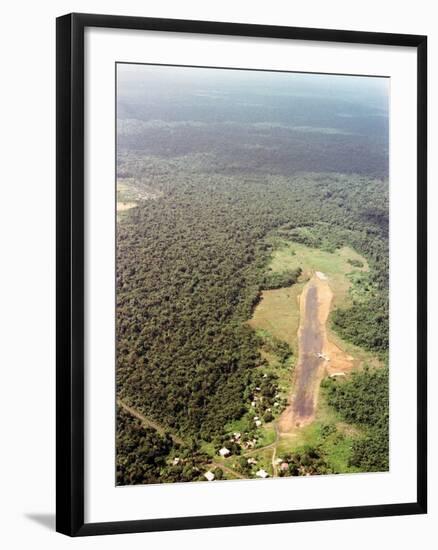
(280, 280)
(145, 456)
(364, 400)
(191, 265)
(190, 268)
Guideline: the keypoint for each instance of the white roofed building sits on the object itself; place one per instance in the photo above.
(224, 451)
(209, 476)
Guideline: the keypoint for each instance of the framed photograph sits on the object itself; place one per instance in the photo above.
(241, 274)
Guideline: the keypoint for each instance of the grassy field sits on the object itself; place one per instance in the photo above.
(278, 315)
(335, 265)
(278, 312)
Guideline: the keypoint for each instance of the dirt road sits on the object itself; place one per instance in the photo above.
(149, 423)
(162, 430)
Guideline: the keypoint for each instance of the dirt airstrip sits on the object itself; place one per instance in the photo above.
(317, 355)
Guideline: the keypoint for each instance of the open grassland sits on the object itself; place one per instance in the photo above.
(278, 314)
(335, 265)
(278, 311)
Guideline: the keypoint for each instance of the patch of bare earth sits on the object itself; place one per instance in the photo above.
(122, 206)
(317, 356)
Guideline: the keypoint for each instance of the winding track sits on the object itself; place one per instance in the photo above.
(150, 423)
(162, 430)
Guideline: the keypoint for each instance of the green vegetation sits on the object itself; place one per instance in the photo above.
(354, 262)
(186, 357)
(277, 314)
(365, 324)
(141, 452)
(183, 348)
(329, 436)
(307, 461)
(363, 400)
(222, 225)
(281, 280)
(273, 345)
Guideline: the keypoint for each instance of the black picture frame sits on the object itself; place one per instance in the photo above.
(70, 273)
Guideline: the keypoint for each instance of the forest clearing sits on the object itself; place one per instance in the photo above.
(313, 355)
(300, 313)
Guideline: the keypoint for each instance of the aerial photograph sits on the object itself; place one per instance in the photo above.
(252, 274)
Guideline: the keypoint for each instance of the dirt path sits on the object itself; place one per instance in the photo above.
(162, 430)
(149, 423)
(259, 449)
(227, 470)
(274, 454)
(316, 355)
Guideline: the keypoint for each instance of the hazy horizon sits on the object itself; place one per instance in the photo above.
(229, 110)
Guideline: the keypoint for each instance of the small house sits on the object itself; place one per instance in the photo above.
(224, 451)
